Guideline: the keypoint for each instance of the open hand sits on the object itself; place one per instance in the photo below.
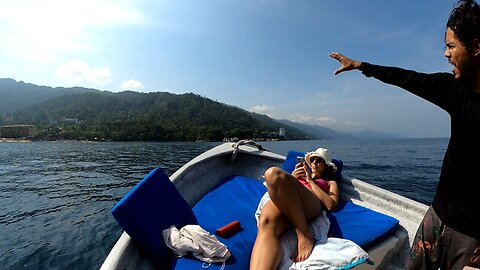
(347, 63)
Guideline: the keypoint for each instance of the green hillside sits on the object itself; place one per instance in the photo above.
(132, 116)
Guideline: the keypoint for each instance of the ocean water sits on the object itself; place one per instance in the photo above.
(56, 197)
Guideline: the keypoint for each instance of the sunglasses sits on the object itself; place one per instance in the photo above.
(317, 160)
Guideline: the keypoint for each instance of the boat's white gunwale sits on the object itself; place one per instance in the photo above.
(221, 150)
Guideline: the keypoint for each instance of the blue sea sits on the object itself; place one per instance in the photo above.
(56, 197)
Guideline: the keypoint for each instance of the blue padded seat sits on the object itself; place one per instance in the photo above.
(153, 205)
(361, 225)
(235, 198)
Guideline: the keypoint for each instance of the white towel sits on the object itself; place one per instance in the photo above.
(193, 238)
(327, 254)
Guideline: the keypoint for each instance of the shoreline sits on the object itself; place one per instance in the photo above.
(14, 140)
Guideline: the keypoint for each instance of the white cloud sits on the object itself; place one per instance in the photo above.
(339, 125)
(78, 71)
(262, 109)
(5, 69)
(301, 118)
(314, 120)
(40, 30)
(325, 121)
(132, 85)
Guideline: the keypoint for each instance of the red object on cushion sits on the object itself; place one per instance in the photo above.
(229, 229)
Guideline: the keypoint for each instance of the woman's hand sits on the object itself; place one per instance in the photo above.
(347, 63)
(308, 172)
(299, 171)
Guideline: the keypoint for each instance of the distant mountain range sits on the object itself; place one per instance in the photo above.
(318, 132)
(83, 113)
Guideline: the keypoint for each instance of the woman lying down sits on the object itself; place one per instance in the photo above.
(294, 200)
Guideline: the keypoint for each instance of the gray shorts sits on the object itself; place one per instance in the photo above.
(437, 246)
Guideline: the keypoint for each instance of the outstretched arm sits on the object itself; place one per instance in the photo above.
(347, 63)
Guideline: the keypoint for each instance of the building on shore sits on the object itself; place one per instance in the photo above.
(18, 131)
(282, 133)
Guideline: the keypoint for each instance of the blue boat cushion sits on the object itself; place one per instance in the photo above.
(291, 161)
(153, 205)
(236, 198)
(359, 224)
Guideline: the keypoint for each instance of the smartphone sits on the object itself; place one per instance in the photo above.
(300, 159)
(308, 169)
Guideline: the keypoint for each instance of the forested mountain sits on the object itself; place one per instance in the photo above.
(160, 116)
(89, 114)
(15, 96)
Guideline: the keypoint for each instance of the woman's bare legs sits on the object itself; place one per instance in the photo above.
(266, 253)
(291, 204)
(297, 203)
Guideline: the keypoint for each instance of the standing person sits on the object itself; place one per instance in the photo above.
(293, 200)
(449, 235)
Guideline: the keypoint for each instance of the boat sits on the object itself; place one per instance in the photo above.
(199, 176)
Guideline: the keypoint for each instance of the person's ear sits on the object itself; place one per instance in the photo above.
(476, 48)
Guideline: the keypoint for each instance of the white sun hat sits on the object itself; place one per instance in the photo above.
(323, 153)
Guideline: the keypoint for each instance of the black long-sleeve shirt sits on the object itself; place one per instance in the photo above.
(457, 200)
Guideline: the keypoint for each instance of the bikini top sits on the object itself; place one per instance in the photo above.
(320, 182)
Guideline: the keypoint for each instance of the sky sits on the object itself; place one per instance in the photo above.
(264, 56)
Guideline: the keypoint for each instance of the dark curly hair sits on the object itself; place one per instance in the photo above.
(465, 22)
(329, 173)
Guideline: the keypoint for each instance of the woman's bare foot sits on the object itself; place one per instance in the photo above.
(304, 249)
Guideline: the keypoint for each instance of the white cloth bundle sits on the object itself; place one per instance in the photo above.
(194, 239)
